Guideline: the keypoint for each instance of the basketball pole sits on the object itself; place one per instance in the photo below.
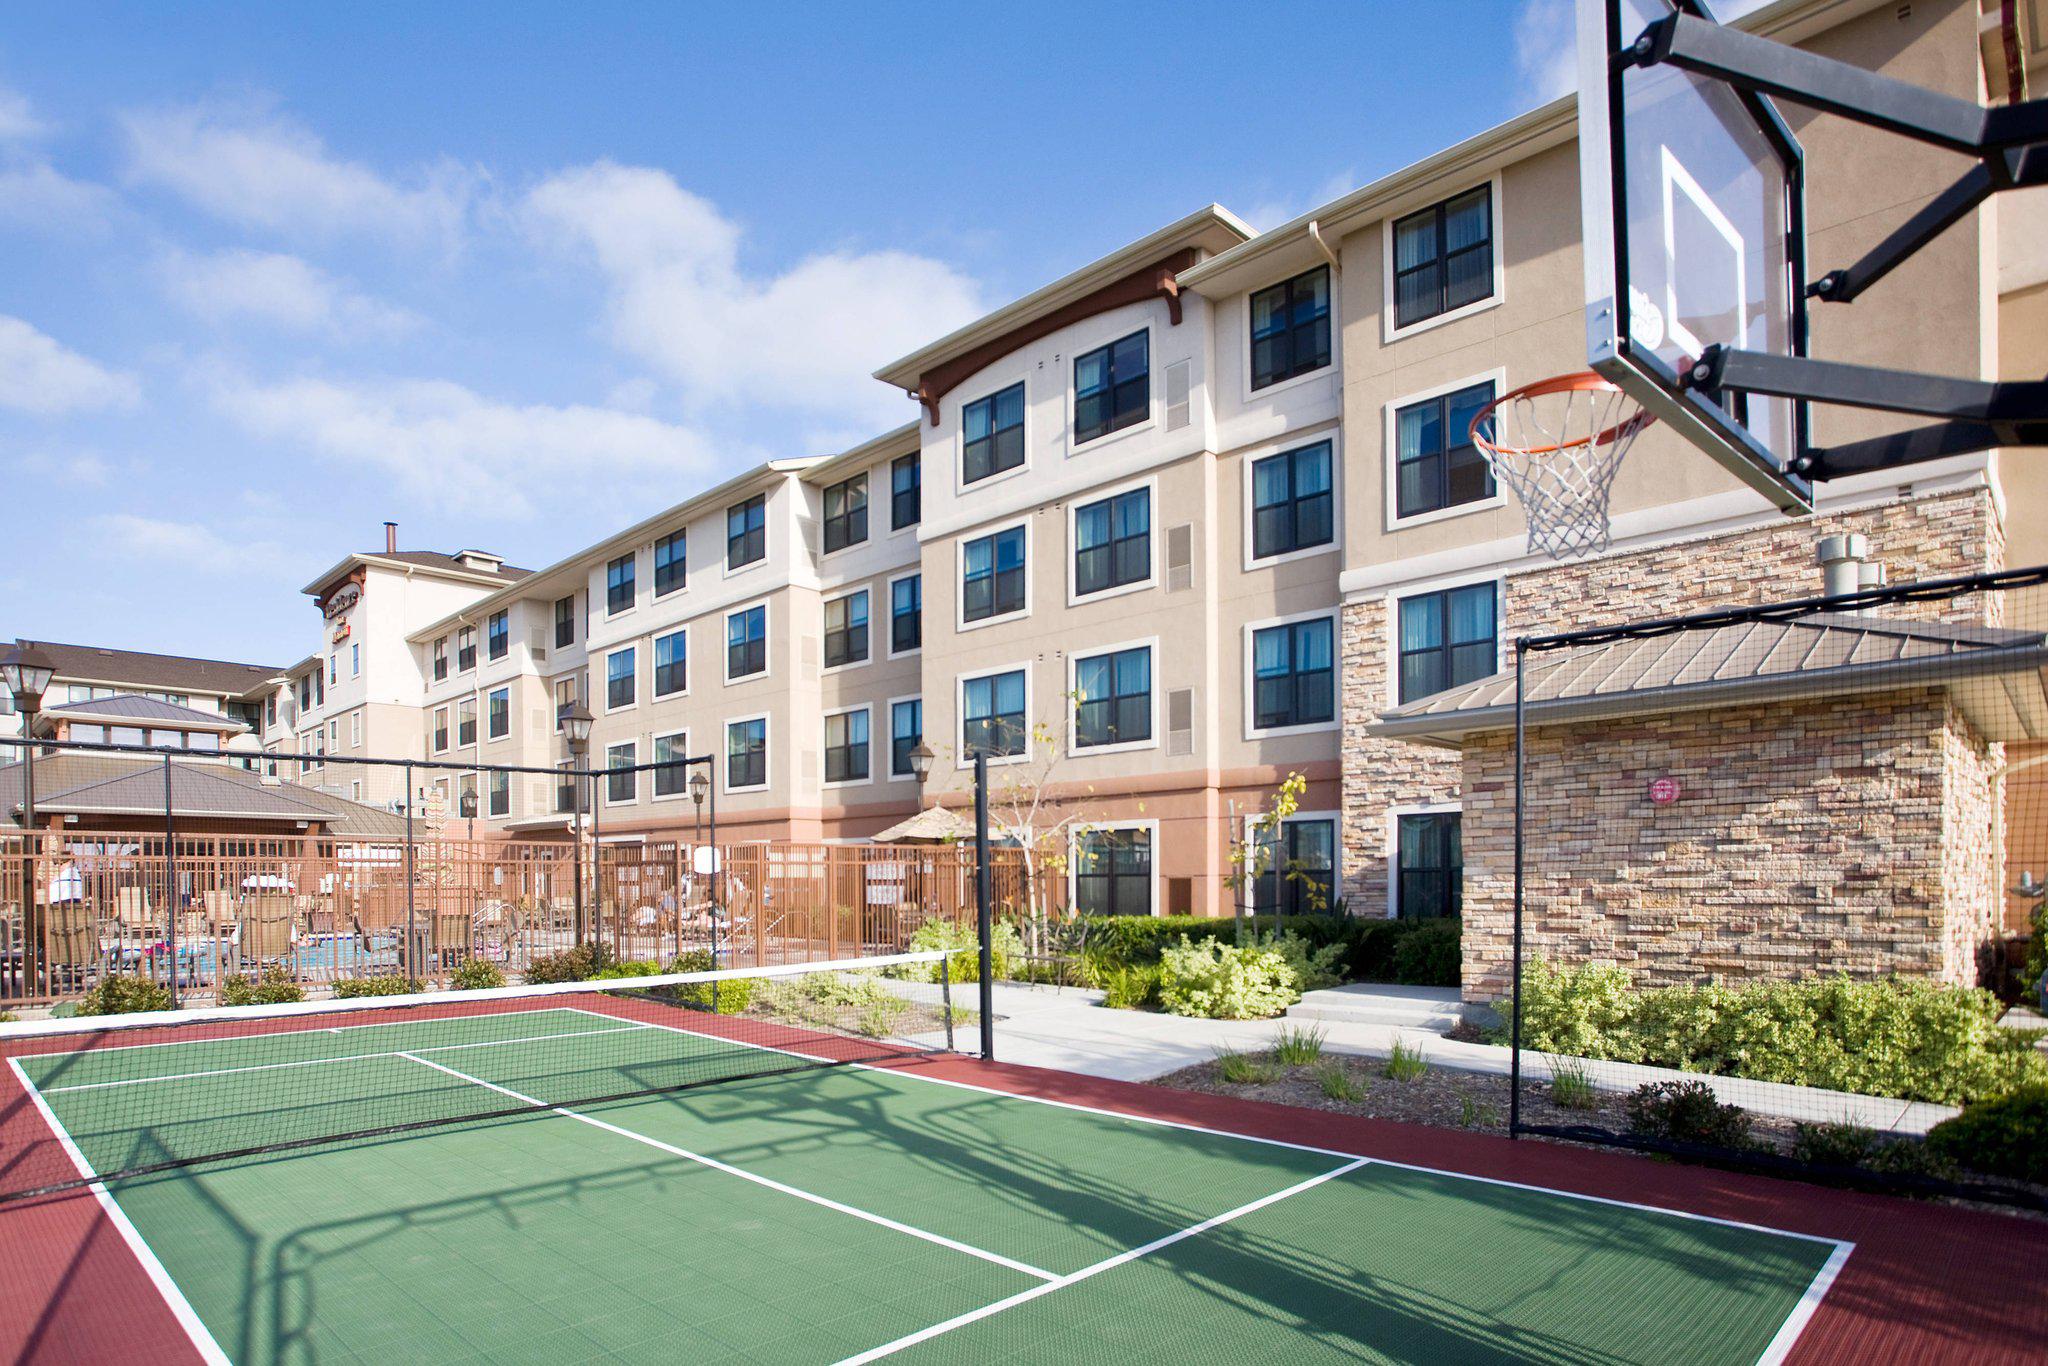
(984, 896)
(1515, 968)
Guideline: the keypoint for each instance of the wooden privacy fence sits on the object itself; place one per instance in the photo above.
(320, 909)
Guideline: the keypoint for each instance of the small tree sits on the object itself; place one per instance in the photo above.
(1254, 851)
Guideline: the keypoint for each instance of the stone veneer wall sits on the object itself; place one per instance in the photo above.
(1848, 834)
(1916, 538)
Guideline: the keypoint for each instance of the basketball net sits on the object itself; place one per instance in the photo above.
(1556, 444)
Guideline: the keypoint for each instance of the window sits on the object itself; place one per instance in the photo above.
(1113, 698)
(355, 730)
(1292, 505)
(746, 643)
(672, 779)
(993, 429)
(440, 668)
(846, 513)
(906, 495)
(1435, 463)
(498, 714)
(1447, 638)
(746, 753)
(565, 787)
(355, 662)
(1293, 676)
(618, 585)
(1430, 865)
(994, 582)
(906, 732)
(465, 649)
(1113, 542)
(319, 690)
(1291, 328)
(1300, 876)
(670, 571)
(671, 663)
(1113, 872)
(334, 667)
(846, 747)
(992, 715)
(465, 721)
(498, 635)
(846, 630)
(440, 729)
(1112, 387)
(565, 621)
(499, 794)
(619, 690)
(1443, 257)
(269, 707)
(906, 614)
(746, 532)
(622, 782)
(565, 698)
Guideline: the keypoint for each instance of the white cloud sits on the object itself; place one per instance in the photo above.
(274, 288)
(461, 452)
(1546, 49)
(18, 121)
(189, 545)
(37, 193)
(40, 375)
(75, 469)
(1273, 212)
(254, 167)
(808, 338)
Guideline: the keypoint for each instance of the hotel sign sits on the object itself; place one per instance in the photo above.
(345, 597)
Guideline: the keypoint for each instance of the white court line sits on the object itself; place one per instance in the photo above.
(1107, 1264)
(759, 1180)
(181, 1308)
(625, 1028)
(1780, 1345)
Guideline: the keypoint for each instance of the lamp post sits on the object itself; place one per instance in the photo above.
(700, 788)
(921, 758)
(468, 805)
(27, 671)
(576, 729)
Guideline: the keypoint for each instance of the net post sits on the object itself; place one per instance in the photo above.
(1515, 964)
(597, 800)
(170, 883)
(406, 960)
(984, 895)
(946, 995)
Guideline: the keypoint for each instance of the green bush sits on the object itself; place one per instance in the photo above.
(1122, 940)
(383, 984)
(731, 997)
(1337, 1081)
(477, 974)
(1908, 1039)
(962, 944)
(1405, 1063)
(580, 964)
(2035, 965)
(1298, 1045)
(638, 967)
(1135, 987)
(1244, 1069)
(1687, 1112)
(124, 996)
(273, 986)
(1314, 968)
(847, 1001)
(2003, 1137)
(1219, 981)
(8, 1017)
(1570, 1087)
(1429, 954)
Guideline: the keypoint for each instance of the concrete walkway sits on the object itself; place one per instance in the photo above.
(1065, 1028)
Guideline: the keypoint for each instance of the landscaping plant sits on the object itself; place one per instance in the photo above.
(124, 996)
(2003, 1137)
(383, 984)
(729, 997)
(1298, 1045)
(1338, 1082)
(1405, 1063)
(477, 974)
(273, 986)
(1220, 981)
(1570, 1087)
(1244, 1069)
(1687, 1112)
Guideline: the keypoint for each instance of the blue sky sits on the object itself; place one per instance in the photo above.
(516, 275)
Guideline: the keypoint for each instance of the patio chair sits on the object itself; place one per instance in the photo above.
(265, 929)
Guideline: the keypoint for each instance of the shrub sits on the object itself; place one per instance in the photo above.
(2003, 1137)
(1429, 955)
(1135, 987)
(638, 967)
(477, 974)
(962, 944)
(1687, 1112)
(1298, 1046)
(1121, 940)
(1405, 1063)
(1221, 981)
(1473, 1114)
(580, 964)
(1337, 1081)
(1244, 1069)
(1314, 968)
(854, 1001)
(1570, 1087)
(1910, 1039)
(124, 996)
(273, 986)
(8, 1017)
(1852, 1145)
(731, 997)
(383, 984)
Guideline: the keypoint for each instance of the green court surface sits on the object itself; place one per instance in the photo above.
(855, 1213)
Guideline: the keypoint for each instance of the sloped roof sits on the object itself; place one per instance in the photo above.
(88, 785)
(1995, 676)
(171, 673)
(129, 707)
(933, 825)
(434, 559)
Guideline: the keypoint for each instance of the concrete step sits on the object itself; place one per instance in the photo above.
(1376, 1003)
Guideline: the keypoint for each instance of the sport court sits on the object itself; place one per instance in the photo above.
(845, 1213)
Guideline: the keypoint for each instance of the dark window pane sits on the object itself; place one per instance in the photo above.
(846, 513)
(993, 429)
(1443, 257)
(618, 584)
(905, 492)
(1112, 387)
(1292, 503)
(669, 556)
(906, 614)
(746, 532)
(1291, 328)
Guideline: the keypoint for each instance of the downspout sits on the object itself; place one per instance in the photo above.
(1315, 235)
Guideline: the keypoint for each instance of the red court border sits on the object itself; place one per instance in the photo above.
(1926, 1282)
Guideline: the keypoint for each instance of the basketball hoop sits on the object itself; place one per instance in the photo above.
(1557, 443)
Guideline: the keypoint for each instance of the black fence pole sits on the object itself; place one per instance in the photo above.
(170, 882)
(717, 861)
(984, 896)
(406, 960)
(1515, 967)
(597, 798)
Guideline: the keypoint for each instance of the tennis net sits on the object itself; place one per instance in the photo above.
(109, 1097)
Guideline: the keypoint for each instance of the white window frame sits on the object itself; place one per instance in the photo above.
(866, 707)
(868, 536)
(1247, 396)
(842, 596)
(605, 773)
(355, 660)
(1152, 538)
(440, 724)
(654, 794)
(1392, 629)
(606, 569)
(1336, 820)
(654, 592)
(889, 591)
(725, 753)
(1293, 441)
(961, 488)
(726, 567)
(960, 622)
(1390, 517)
(654, 666)
(888, 466)
(507, 690)
(1151, 826)
(1391, 831)
(609, 709)
(1154, 396)
(1390, 333)
(355, 789)
(889, 741)
(1335, 616)
(1074, 657)
(767, 643)
(355, 729)
(960, 682)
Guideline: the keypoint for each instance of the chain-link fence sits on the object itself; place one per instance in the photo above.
(204, 870)
(1769, 889)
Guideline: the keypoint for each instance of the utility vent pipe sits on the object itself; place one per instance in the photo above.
(1841, 563)
(390, 538)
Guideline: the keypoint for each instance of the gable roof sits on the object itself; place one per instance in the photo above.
(142, 669)
(127, 707)
(86, 785)
(1995, 676)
